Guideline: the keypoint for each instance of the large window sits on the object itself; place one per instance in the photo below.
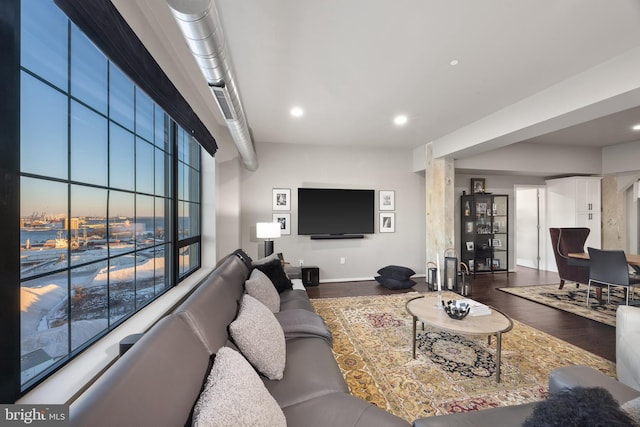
(109, 194)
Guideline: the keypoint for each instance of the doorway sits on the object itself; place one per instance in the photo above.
(530, 221)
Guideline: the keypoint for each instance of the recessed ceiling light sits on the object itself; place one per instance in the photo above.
(454, 62)
(636, 127)
(297, 112)
(400, 120)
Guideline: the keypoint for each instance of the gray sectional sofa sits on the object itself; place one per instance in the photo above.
(158, 381)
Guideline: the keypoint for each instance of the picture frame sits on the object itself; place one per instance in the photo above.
(469, 227)
(477, 185)
(496, 243)
(387, 222)
(285, 222)
(471, 265)
(469, 246)
(387, 200)
(281, 199)
(495, 264)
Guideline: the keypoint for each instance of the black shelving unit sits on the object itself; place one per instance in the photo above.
(484, 233)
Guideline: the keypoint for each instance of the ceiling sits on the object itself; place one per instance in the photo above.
(353, 65)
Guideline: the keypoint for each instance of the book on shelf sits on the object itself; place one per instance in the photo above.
(477, 309)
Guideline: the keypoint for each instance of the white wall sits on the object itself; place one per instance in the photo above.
(292, 166)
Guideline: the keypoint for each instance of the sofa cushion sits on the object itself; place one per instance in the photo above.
(294, 299)
(311, 371)
(274, 270)
(259, 337)
(261, 288)
(391, 283)
(396, 272)
(235, 395)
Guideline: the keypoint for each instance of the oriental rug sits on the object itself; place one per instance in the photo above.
(574, 300)
(451, 373)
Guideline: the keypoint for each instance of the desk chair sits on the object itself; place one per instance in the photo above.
(609, 268)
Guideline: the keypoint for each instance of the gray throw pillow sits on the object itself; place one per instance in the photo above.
(234, 395)
(259, 337)
(261, 288)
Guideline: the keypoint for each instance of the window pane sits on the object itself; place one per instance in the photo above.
(144, 166)
(88, 146)
(162, 268)
(122, 229)
(88, 72)
(160, 166)
(162, 129)
(160, 234)
(145, 220)
(88, 224)
(44, 41)
(44, 336)
(194, 153)
(120, 98)
(87, 305)
(145, 272)
(189, 258)
(122, 287)
(121, 158)
(194, 185)
(144, 116)
(43, 211)
(43, 129)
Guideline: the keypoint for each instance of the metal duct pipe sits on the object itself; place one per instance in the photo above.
(198, 20)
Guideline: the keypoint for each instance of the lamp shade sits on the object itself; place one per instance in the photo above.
(268, 230)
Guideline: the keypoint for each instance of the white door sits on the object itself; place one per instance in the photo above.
(530, 237)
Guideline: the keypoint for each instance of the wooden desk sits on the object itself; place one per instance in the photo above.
(632, 259)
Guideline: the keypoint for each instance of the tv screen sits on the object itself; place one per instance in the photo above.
(328, 211)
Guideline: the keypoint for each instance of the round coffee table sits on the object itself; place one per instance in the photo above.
(425, 309)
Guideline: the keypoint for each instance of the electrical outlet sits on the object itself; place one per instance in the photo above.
(343, 260)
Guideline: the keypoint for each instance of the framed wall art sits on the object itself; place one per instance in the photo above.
(387, 200)
(285, 222)
(387, 222)
(281, 199)
(477, 185)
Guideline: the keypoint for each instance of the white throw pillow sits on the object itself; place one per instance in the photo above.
(234, 395)
(261, 288)
(260, 338)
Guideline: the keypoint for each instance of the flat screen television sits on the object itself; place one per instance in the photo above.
(335, 212)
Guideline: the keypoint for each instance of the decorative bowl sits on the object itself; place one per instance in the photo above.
(456, 309)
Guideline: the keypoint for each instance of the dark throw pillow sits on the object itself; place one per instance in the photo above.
(275, 272)
(391, 283)
(396, 272)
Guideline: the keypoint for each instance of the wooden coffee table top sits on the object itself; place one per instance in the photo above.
(424, 308)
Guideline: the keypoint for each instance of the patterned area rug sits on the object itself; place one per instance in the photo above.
(451, 373)
(574, 300)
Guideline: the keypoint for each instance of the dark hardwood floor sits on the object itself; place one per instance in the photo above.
(592, 336)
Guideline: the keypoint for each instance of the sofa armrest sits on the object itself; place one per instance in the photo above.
(627, 345)
(584, 376)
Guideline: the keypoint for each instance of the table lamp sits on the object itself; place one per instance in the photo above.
(268, 231)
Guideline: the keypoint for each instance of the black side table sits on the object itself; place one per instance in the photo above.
(310, 275)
